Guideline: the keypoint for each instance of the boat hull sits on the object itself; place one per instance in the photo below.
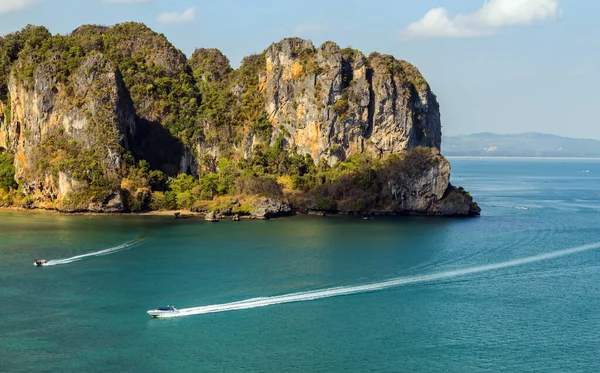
(162, 314)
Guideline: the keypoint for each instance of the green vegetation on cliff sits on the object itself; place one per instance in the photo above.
(11, 45)
(232, 104)
(358, 184)
(7, 172)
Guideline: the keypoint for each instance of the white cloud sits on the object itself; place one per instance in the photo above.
(127, 1)
(493, 15)
(13, 5)
(499, 13)
(175, 17)
(437, 23)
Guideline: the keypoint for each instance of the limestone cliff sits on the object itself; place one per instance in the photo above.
(55, 129)
(429, 192)
(333, 103)
(159, 80)
(2, 127)
(416, 182)
(118, 119)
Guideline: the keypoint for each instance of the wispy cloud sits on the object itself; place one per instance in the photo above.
(7, 6)
(493, 15)
(309, 29)
(127, 1)
(175, 17)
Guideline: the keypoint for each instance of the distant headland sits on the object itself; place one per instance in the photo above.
(530, 144)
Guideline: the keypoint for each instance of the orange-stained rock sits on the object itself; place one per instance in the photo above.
(382, 107)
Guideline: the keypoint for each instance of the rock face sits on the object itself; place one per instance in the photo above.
(2, 127)
(92, 117)
(158, 79)
(423, 192)
(458, 202)
(266, 208)
(430, 193)
(211, 217)
(332, 103)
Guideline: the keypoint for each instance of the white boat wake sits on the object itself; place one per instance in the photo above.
(110, 250)
(348, 290)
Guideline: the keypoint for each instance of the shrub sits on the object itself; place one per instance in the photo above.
(7, 172)
(267, 186)
(158, 201)
(182, 183)
(184, 200)
(341, 106)
(210, 185)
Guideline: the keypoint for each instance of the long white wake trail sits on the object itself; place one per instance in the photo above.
(348, 290)
(110, 250)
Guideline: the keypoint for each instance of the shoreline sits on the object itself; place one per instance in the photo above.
(42, 211)
(188, 214)
(180, 214)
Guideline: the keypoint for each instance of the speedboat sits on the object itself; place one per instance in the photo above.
(167, 311)
(39, 262)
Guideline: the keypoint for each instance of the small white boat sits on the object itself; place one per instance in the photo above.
(39, 262)
(168, 311)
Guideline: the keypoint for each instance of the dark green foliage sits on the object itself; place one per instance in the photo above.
(262, 128)
(59, 154)
(308, 62)
(7, 172)
(182, 183)
(155, 73)
(411, 164)
(90, 37)
(408, 74)
(228, 173)
(274, 160)
(349, 54)
(264, 185)
(210, 65)
(11, 45)
(232, 104)
(361, 182)
(252, 100)
(157, 180)
(340, 107)
(7, 111)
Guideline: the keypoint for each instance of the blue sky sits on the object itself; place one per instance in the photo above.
(503, 66)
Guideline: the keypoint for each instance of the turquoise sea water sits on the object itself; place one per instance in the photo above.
(89, 315)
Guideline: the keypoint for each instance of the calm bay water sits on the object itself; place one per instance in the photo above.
(90, 314)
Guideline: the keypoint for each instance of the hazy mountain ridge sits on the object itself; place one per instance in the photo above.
(528, 144)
